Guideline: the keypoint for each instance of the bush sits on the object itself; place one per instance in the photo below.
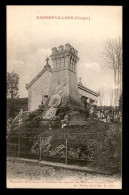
(109, 151)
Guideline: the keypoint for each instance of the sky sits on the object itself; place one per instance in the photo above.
(30, 40)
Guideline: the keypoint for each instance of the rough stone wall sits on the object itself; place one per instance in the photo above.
(36, 90)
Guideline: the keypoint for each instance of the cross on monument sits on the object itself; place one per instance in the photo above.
(47, 60)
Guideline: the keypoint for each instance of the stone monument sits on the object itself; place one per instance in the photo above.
(64, 85)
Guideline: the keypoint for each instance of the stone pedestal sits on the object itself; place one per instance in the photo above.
(77, 116)
(77, 123)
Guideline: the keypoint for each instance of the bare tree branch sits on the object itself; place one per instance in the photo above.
(112, 57)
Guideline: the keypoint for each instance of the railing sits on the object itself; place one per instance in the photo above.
(67, 148)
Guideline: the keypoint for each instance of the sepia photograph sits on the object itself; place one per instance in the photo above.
(64, 97)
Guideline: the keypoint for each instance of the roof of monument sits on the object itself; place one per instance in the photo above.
(47, 67)
(88, 90)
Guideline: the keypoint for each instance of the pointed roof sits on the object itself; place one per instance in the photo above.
(47, 67)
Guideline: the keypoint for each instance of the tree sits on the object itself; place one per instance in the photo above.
(111, 98)
(103, 100)
(12, 92)
(113, 58)
(120, 103)
(102, 97)
(12, 85)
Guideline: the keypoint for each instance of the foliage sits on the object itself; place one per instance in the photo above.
(9, 125)
(109, 150)
(113, 53)
(120, 103)
(11, 108)
(12, 84)
(105, 150)
(108, 113)
(12, 92)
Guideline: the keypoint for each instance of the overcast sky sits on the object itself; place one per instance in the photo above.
(30, 40)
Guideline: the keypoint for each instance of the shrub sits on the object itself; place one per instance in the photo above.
(109, 151)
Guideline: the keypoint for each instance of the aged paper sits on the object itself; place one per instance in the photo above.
(32, 33)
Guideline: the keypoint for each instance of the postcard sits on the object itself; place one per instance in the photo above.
(64, 97)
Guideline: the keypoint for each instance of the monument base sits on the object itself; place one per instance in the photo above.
(71, 123)
(44, 123)
(77, 123)
(77, 116)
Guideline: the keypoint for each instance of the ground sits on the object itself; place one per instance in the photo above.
(26, 171)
